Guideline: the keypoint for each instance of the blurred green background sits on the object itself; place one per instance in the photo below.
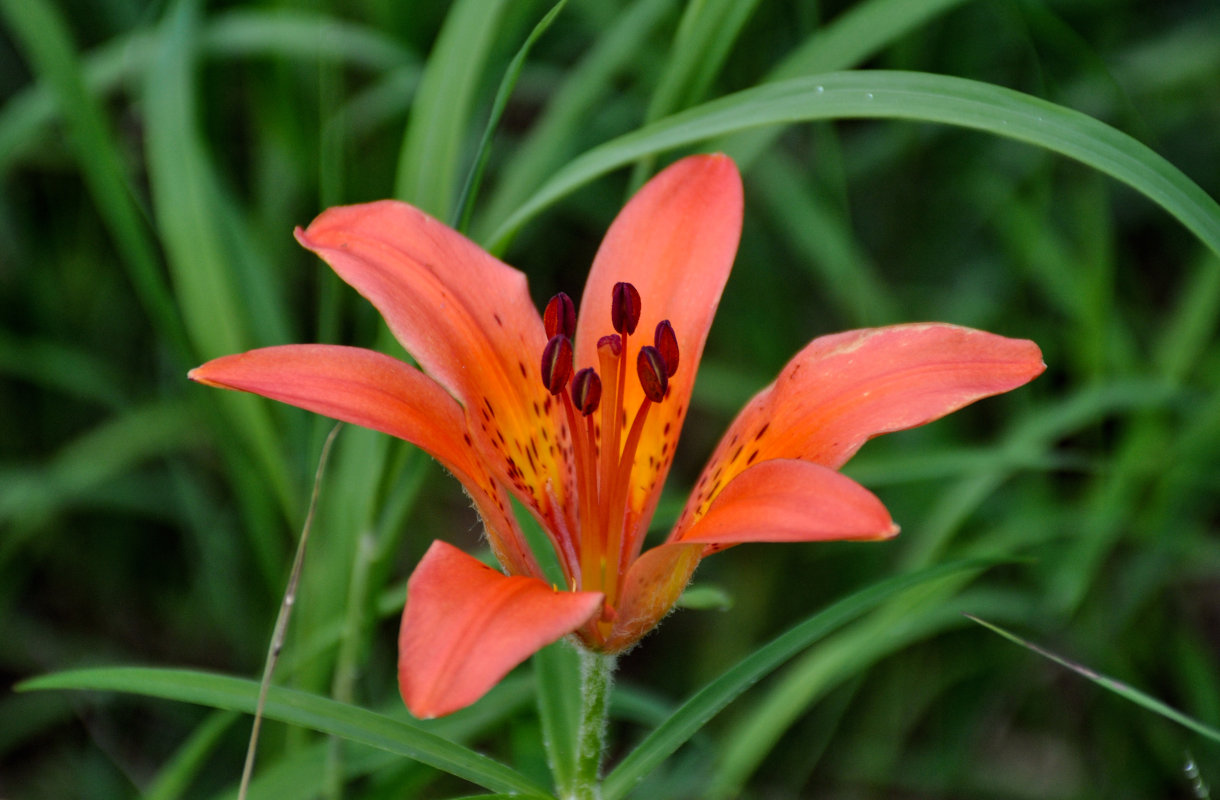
(154, 158)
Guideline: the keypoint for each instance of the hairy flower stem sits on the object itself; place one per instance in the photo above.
(597, 677)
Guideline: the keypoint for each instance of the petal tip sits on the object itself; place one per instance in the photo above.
(200, 375)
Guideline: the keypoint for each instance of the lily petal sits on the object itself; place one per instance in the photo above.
(467, 318)
(652, 586)
(844, 389)
(376, 391)
(465, 626)
(786, 500)
(675, 241)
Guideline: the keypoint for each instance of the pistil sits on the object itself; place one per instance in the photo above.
(610, 357)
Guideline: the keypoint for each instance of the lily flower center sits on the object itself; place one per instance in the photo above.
(604, 447)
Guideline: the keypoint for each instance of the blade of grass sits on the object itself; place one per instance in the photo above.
(297, 708)
(41, 31)
(557, 671)
(909, 96)
(834, 256)
(1121, 689)
(185, 194)
(470, 189)
(920, 612)
(1028, 438)
(175, 777)
(848, 40)
(281, 621)
(235, 34)
(709, 701)
(101, 455)
(178, 174)
(565, 120)
(706, 34)
(436, 133)
(298, 776)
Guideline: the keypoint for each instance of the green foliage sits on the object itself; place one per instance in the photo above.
(1040, 168)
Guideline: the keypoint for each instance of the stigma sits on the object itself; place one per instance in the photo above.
(605, 434)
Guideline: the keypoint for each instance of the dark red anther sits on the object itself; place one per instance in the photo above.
(613, 341)
(586, 390)
(667, 345)
(624, 308)
(560, 316)
(556, 363)
(651, 367)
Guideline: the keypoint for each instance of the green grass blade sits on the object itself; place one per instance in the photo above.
(557, 671)
(908, 96)
(470, 189)
(1104, 681)
(41, 31)
(283, 33)
(819, 230)
(556, 135)
(30, 496)
(175, 778)
(301, 709)
(236, 34)
(297, 776)
(185, 198)
(495, 797)
(709, 701)
(848, 40)
(433, 144)
(706, 34)
(178, 175)
(1190, 327)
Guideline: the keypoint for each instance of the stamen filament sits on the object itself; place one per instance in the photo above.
(586, 489)
(610, 467)
(611, 356)
(617, 501)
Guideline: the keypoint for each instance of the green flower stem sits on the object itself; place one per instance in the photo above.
(597, 676)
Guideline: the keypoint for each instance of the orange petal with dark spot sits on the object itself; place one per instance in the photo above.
(465, 626)
(468, 319)
(786, 500)
(844, 389)
(376, 391)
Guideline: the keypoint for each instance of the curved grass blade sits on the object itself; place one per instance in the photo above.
(298, 708)
(705, 36)
(709, 701)
(564, 123)
(1104, 681)
(912, 96)
(845, 42)
(432, 145)
(471, 188)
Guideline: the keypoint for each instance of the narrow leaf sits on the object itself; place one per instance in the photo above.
(915, 96)
(298, 708)
(471, 188)
(1106, 682)
(709, 701)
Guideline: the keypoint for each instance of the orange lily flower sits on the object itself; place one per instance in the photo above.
(497, 401)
